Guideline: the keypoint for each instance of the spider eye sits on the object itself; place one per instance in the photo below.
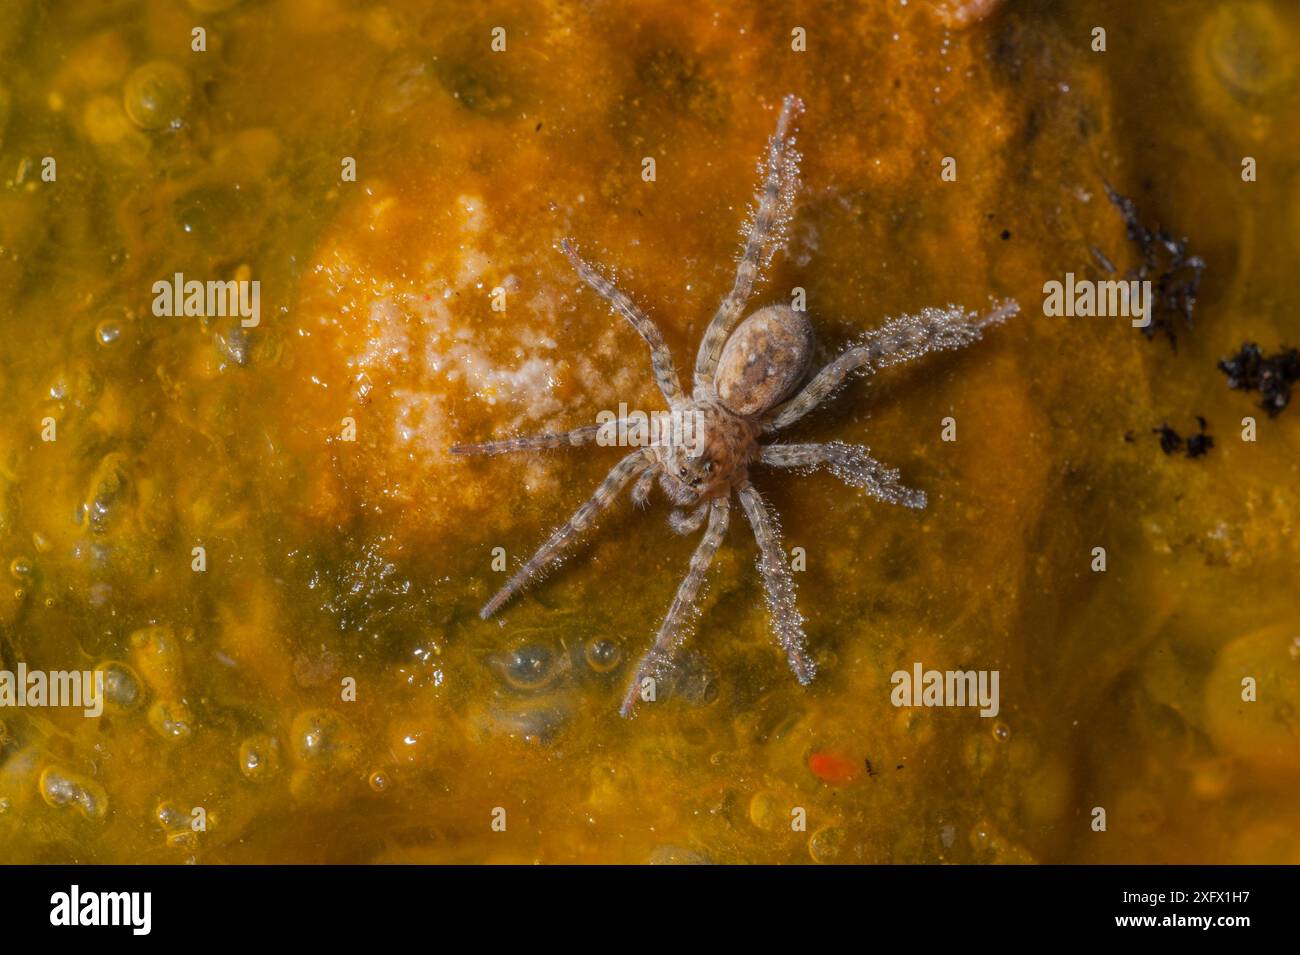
(681, 472)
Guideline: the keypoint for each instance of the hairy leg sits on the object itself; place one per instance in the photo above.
(851, 463)
(778, 586)
(533, 442)
(644, 484)
(687, 522)
(766, 234)
(672, 632)
(580, 521)
(898, 340)
(661, 359)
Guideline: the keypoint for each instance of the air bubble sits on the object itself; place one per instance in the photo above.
(603, 655)
(157, 94)
(62, 789)
(768, 811)
(324, 740)
(122, 687)
(259, 757)
(170, 816)
(826, 845)
(1247, 47)
(171, 719)
(108, 332)
(529, 668)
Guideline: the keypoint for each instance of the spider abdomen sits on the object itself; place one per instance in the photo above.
(764, 360)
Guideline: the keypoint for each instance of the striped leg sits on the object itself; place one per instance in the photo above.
(533, 442)
(778, 586)
(661, 359)
(580, 521)
(851, 463)
(644, 485)
(686, 522)
(766, 235)
(898, 340)
(673, 630)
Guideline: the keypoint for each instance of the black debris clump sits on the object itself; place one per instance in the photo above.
(1272, 376)
(1170, 440)
(1196, 445)
(1199, 444)
(1174, 275)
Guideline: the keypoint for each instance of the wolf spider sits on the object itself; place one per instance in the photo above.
(746, 386)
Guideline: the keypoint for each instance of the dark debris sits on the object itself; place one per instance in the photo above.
(1272, 376)
(1175, 276)
(1196, 445)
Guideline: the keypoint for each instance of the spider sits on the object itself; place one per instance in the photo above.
(747, 384)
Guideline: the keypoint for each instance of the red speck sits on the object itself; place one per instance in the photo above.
(830, 768)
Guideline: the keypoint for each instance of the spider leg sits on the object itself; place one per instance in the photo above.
(533, 442)
(644, 484)
(564, 535)
(687, 522)
(661, 359)
(899, 340)
(766, 235)
(851, 463)
(672, 632)
(778, 586)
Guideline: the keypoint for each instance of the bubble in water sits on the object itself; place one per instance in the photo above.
(324, 740)
(157, 94)
(61, 789)
(108, 332)
(1246, 45)
(603, 655)
(769, 812)
(826, 845)
(171, 719)
(259, 757)
(170, 816)
(530, 668)
(122, 687)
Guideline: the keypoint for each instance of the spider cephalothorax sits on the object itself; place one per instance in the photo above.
(747, 380)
